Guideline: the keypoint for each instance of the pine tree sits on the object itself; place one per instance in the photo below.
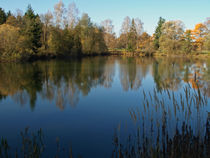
(32, 29)
(132, 37)
(158, 33)
(8, 14)
(3, 16)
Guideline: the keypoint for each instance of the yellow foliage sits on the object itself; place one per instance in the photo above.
(12, 43)
(9, 36)
(199, 32)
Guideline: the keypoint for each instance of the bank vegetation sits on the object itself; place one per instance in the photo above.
(63, 32)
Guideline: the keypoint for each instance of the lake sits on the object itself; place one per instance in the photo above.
(103, 107)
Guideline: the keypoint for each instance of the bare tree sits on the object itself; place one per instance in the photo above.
(126, 25)
(108, 26)
(125, 29)
(207, 23)
(172, 34)
(59, 12)
(47, 20)
(109, 36)
(139, 30)
(139, 26)
(19, 13)
(73, 12)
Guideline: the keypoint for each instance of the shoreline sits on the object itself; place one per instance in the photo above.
(41, 57)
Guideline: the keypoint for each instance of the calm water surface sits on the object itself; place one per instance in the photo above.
(86, 103)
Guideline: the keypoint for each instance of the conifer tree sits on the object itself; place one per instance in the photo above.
(132, 37)
(158, 33)
(3, 16)
(32, 29)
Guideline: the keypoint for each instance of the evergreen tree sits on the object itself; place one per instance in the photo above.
(32, 29)
(158, 33)
(132, 37)
(8, 14)
(3, 16)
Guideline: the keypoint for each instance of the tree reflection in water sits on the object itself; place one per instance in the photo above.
(167, 124)
(66, 81)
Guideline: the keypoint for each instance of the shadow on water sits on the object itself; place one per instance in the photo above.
(166, 125)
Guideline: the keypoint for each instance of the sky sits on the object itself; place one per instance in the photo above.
(190, 12)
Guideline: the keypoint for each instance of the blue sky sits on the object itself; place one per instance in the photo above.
(190, 12)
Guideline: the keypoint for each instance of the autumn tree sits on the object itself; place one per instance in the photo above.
(77, 45)
(47, 20)
(125, 28)
(207, 42)
(72, 17)
(12, 20)
(109, 35)
(59, 13)
(139, 30)
(199, 32)
(171, 36)
(207, 23)
(121, 41)
(8, 37)
(12, 43)
(207, 37)
(146, 44)
(64, 42)
(143, 39)
(139, 25)
(19, 15)
(91, 37)
(187, 40)
(158, 33)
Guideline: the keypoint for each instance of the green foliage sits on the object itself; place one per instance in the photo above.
(132, 37)
(3, 16)
(11, 20)
(31, 35)
(12, 43)
(170, 41)
(32, 29)
(8, 14)
(207, 42)
(158, 32)
(187, 42)
(92, 39)
(65, 34)
(61, 42)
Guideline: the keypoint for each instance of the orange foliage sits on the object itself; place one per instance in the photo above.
(145, 38)
(199, 32)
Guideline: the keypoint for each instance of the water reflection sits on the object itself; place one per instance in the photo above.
(133, 71)
(66, 81)
(167, 124)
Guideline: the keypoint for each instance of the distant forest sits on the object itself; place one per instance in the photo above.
(63, 32)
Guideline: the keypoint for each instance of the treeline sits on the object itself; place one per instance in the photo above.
(61, 33)
(64, 33)
(170, 37)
